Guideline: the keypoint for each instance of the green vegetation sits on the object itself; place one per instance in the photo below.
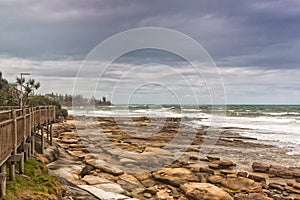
(78, 100)
(5, 94)
(10, 95)
(35, 184)
(41, 100)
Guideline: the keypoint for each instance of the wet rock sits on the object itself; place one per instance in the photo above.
(260, 167)
(204, 191)
(175, 176)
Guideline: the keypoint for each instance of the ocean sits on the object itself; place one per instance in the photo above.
(271, 124)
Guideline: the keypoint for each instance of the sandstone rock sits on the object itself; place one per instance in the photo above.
(216, 179)
(204, 191)
(213, 166)
(260, 167)
(206, 170)
(243, 174)
(241, 183)
(129, 182)
(93, 180)
(110, 187)
(280, 171)
(221, 164)
(148, 182)
(296, 185)
(251, 196)
(175, 176)
(152, 190)
(257, 178)
(164, 195)
(105, 166)
(158, 151)
(147, 195)
(212, 158)
(101, 194)
(231, 176)
(224, 171)
(276, 186)
(292, 189)
(127, 160)
(295, 171)
(69, 140)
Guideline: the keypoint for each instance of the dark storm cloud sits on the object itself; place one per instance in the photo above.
(71, 28)
(255, 44)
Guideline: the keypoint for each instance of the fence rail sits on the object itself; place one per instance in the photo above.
(16, 126)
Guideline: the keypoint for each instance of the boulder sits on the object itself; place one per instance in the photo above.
(251, 196)
(296, 185)
(241, 183)
(221, 164)
(257, 178)
(295, 171)
(93, 180)
(280, 171)
(105, 166)
(111, 187)
(292, 189)
(102, 194)
(204, 191)
(276, 186)
(215, 179)
(175, 176)
(129, 182)
(243, 174)
(260, 167)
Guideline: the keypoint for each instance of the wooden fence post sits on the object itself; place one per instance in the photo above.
(25, 148)
(42, 140)
(15, 139)
(3, 181)
(33, 131)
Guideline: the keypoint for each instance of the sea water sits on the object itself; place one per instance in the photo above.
(275, 124)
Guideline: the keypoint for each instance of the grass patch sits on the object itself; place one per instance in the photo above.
(36, 184)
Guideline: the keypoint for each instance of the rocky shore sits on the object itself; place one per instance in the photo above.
(127, 165)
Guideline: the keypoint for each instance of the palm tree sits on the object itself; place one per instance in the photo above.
(27, 87)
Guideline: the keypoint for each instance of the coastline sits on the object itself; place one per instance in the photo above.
(231, 159)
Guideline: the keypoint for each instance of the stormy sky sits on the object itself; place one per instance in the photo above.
(254, 44)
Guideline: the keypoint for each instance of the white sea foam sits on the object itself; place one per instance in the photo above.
(282, 128)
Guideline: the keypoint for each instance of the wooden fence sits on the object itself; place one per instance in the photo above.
(17, 130)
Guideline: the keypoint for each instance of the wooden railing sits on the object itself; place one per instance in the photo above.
(16, 126)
